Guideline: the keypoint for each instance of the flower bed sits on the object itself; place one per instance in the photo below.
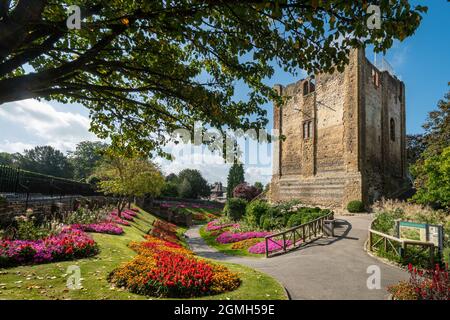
(116, 219)
(104, 227)
(260, 247)
(126, 214)
(423, 285)
(165, 230)
(245, 244)
(167, 269)
(230, 237)
(215, 225)
(70, 243)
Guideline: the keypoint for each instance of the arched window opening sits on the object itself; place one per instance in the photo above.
(392, 129)
(305, 88)
(312, 85)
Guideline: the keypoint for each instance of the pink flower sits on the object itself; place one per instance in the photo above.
(260, 247)
(229, 237)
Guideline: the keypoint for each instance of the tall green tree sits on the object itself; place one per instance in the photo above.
(6, 159)
(235, 177)
(436, 139)
(415, 146)
(435, 190)
(46, 160)
(198, 185)
(128, 177)
(86, 156)
(144, 68)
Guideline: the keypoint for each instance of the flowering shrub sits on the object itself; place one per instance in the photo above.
(245, 244)
(215, 225)
(245, 191)
(260, 247)
(104, 227)
(167, 269)
(427, 285)
(69, 244)
(229, 237)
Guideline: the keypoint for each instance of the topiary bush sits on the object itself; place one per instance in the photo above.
(235, 208)
(255, 210)
(355, 206)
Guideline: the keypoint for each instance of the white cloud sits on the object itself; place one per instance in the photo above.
(43, 124)
(211, 165)
(13, 147)
(29, 123)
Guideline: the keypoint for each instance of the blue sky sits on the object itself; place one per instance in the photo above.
(421, 61)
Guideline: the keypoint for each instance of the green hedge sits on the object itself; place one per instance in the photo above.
(355, 206)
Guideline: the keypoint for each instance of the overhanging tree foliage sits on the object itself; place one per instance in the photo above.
(144, 68)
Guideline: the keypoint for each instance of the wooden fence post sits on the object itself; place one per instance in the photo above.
(267, 247)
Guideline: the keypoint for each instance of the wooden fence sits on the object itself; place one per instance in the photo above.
(297, 236)
(379, 240)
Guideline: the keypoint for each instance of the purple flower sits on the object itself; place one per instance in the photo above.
(213, 225)
(104, 227)
(70, 243)
(260, 247)
(230, 237)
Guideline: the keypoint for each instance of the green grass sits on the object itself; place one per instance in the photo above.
(225, 248)
(48, 281)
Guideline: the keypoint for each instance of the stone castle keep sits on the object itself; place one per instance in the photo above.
(344, 137)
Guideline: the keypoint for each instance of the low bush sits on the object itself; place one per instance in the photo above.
(236, 208)
(255, 210)
(355, 206)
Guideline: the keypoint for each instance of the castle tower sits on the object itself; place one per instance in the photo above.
(345, 137)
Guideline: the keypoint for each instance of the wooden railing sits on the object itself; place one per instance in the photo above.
(296, 236)
(399, 246)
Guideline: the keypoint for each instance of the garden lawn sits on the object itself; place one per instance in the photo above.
(225, 248)
(48, 281)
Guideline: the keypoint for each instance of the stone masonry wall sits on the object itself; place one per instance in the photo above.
(350, 154)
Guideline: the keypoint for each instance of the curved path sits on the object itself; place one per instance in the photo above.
(329, 268)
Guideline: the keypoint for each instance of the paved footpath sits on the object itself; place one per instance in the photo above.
(329, 268)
